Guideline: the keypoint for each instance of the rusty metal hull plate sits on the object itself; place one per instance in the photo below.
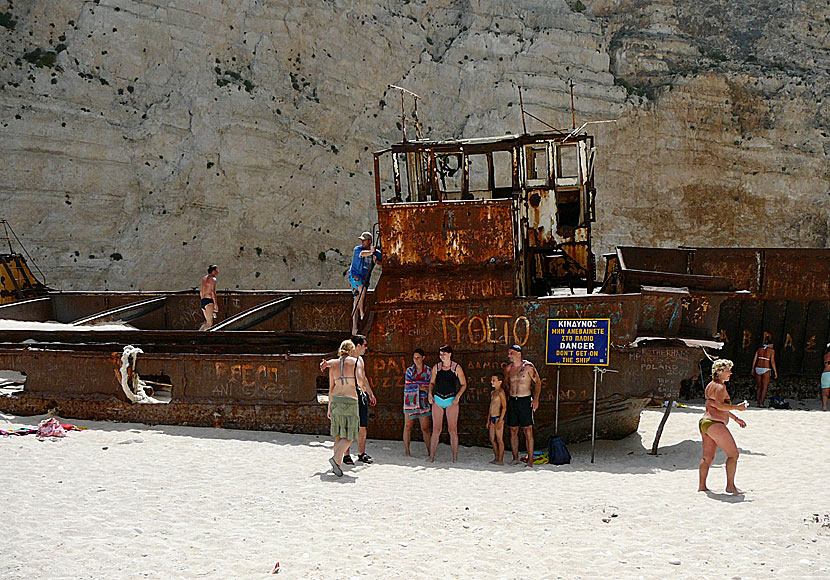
(799, 331)
(447, 234)
(792, 274)
(453, 287)
(740, 265)
(319, 311)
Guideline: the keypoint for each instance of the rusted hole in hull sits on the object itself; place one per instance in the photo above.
(323, 389)
(11, 382)
(160, 387)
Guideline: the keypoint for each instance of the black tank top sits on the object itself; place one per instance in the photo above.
(446, 383)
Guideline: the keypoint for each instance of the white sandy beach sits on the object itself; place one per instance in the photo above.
(133, 501)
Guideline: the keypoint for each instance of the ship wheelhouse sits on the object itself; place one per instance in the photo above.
(486, 218)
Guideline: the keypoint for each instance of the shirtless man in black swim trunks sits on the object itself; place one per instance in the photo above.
(518, 378)
(207, 292)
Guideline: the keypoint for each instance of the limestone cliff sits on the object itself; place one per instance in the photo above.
(143, 140)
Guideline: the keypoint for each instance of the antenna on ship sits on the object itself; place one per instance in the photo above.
(403, 111)
(573, 112)
(532, 116)
(522, 107)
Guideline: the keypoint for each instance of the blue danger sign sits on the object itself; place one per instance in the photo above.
(578, 341)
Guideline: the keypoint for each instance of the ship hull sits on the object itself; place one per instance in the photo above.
(268, 378)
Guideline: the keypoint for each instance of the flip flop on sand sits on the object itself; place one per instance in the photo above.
(335, 468)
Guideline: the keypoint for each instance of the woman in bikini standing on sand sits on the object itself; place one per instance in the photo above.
(446, 385)
(763, 362)
(713, 427)
(345, 373)
(825, 380)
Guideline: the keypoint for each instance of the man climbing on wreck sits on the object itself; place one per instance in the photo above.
(207, 293)
(363, 257)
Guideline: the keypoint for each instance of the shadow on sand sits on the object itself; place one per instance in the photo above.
(629, 455)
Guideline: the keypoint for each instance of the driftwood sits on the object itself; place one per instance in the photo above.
(670, 404)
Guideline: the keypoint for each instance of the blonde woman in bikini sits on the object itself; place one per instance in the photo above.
(713, 427)
(763, 365)
(345, 373)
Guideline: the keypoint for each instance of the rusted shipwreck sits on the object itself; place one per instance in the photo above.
(483, 241)
(785, 298)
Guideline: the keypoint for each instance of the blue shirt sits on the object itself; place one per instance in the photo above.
(360, 266)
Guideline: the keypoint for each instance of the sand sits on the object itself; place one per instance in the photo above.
(7, 324)
(135, 501)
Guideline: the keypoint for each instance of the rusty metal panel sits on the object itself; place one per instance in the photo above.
(255, 317)
(430, 287)
(774, 315)
(447, 234)
(37, 310)
(70, 307)
(655, 259)
(742, 266)
(55, 373)
(241, 379)
(488, 326)
(729, 328)
(324, 311)
(796, 274)
(816, 336)
(634, 280)
(789, 351)
(700, 314)
(751, 333)
(661, 312)
(126, 313)
(236, 378)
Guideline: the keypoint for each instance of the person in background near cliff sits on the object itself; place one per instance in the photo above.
(446, 385)
(762, 363)
(345, 372)
(416, 399)
(713, 427)
(207, 293)
(362, 257)
(365, 397)
(519, 375)
(825, 380)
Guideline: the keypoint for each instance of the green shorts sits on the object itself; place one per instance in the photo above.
(345, 417)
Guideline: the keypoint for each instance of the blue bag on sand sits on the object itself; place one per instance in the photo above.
(778, 402)
(558, 454)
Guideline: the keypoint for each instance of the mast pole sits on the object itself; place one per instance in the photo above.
(573, 114)
(522, 107)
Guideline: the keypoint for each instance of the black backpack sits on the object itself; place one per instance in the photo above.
(778, 402)
(558, 454)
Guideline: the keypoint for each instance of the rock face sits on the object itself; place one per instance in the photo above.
(144, 140)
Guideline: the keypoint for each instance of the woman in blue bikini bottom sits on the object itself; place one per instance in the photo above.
(442, 402)
(446, 386)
